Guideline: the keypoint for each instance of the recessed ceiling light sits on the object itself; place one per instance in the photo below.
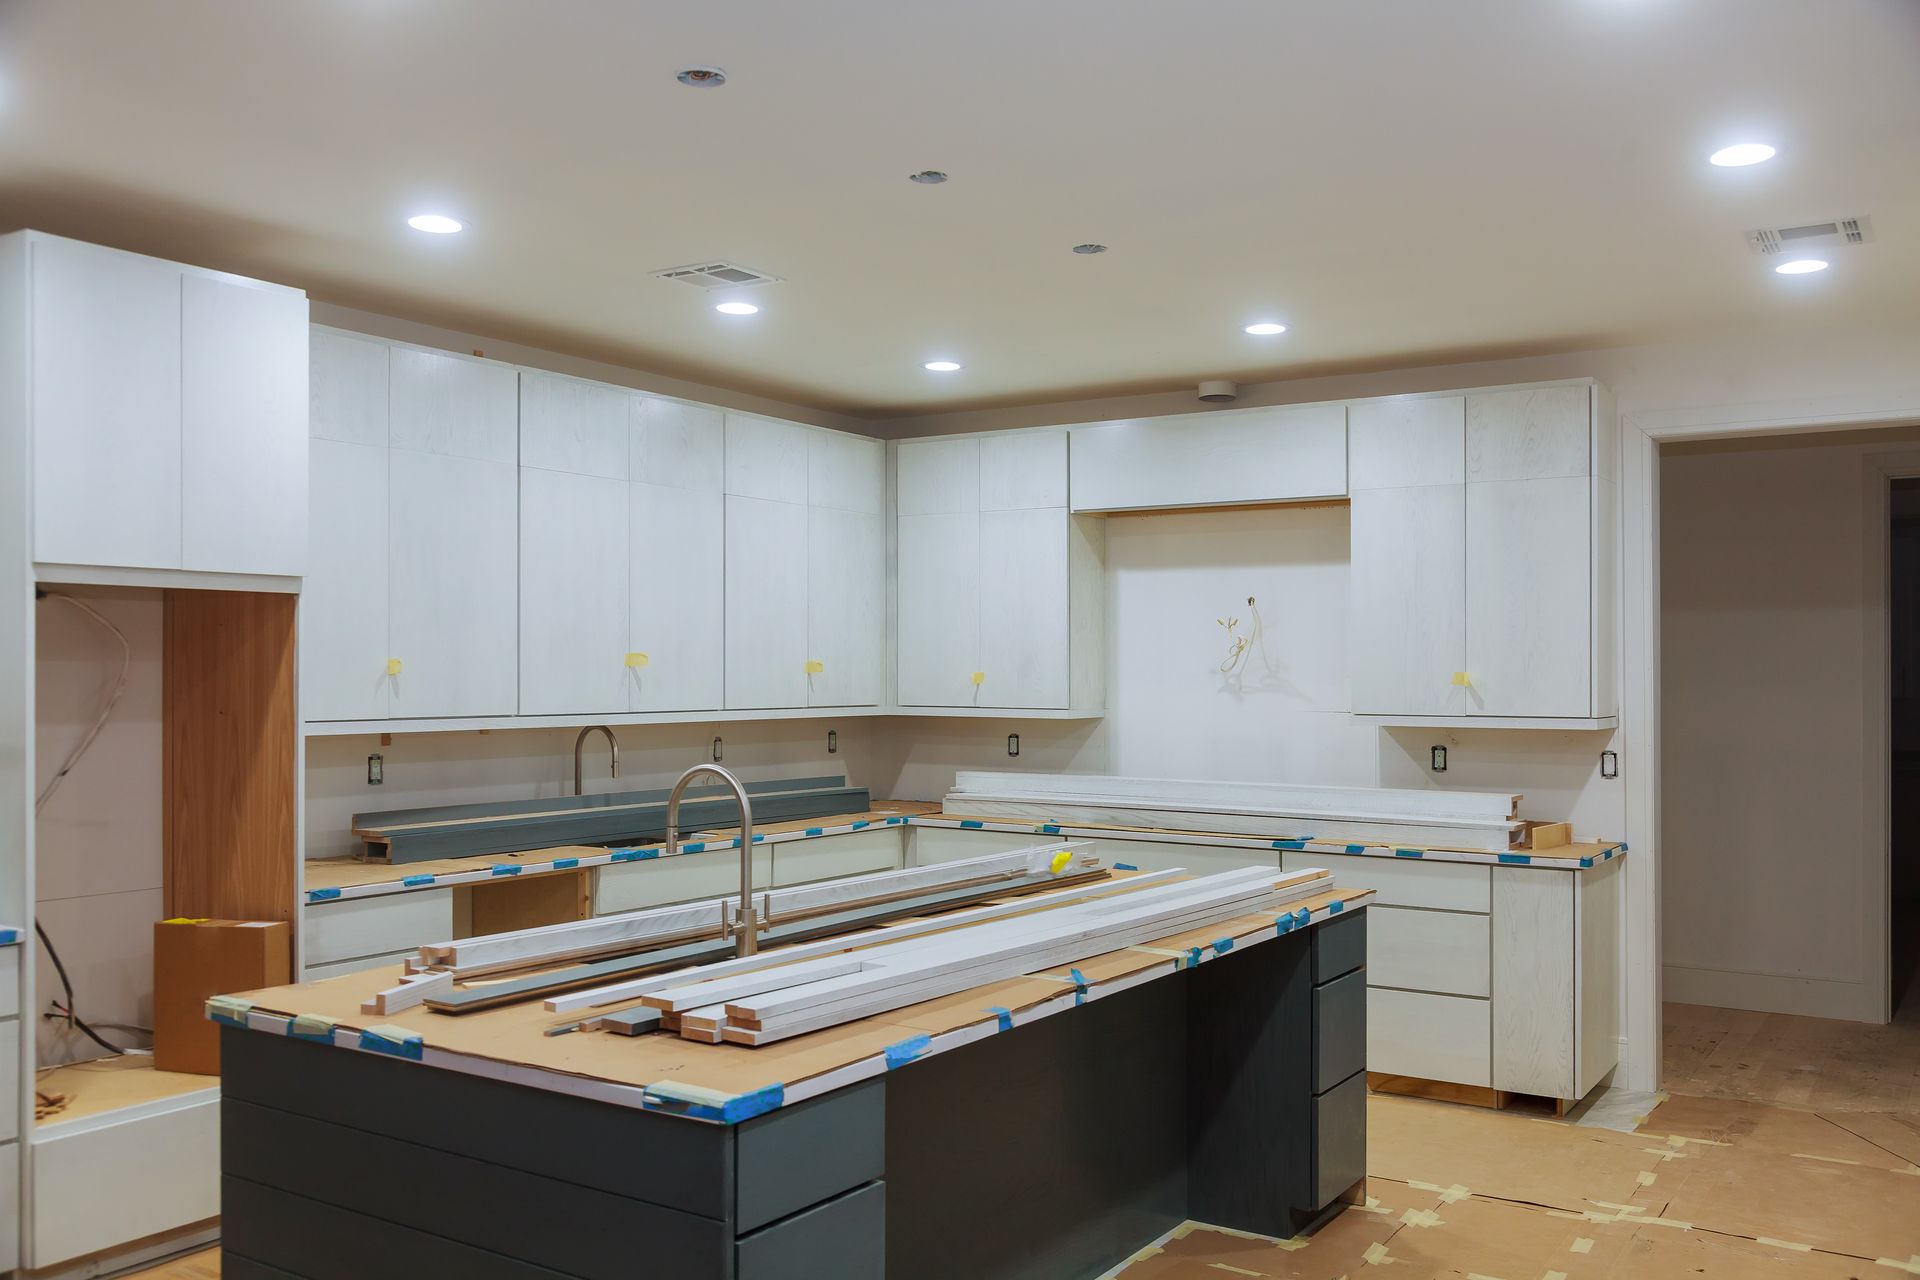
(438, 224)
(736, 308)
(1801, 266)
(943, 366)
(1741, 153)
(1089, 248)
(702, 77)
(927, 177)
(1266, 328)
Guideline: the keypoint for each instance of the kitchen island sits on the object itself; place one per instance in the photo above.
(1043, 1126)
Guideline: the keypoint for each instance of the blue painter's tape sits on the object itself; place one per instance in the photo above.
(1301, 917)
(411, 1047)
(1124, 866)
(1282, 925)
(562, 864)
(8, 937)
(1515, 859)
(895, 821)
(695, 847)
(1193, 956)
(1623, 846)
(1080, 985)
(972, 824)
(734, 843)
(322, 895)
(1222, 945)
(1585, 863)
(902, 1052)
(1289, 844)
(1409, 853)
(1049, 829)
(311, 1037)
(862, 823)
(1336, 907)
(414, 882)
(506, 868)
(748, 1105)
(814, 831)
(1003, 1014)
(1356, 848)
(758, 839)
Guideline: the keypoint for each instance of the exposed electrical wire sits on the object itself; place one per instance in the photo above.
(1238, 646)
(65, 1013)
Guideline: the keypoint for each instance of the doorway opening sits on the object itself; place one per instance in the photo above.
(1903, 688)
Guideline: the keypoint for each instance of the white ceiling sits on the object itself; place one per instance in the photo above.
(1403, 181)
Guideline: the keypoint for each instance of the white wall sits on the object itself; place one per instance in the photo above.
(1769, 889)
(470, 767)
(99, 850)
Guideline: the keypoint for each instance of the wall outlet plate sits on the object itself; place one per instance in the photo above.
(376, 770)
(1437, 759)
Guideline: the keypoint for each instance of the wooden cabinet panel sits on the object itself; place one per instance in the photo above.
(106, 407)
(847, 472)
(1409, 600)
(1394, 443)
(453, 585)
(937, 477)
(1211, 459)
(1434, 1037)
(939, 601)
(1528, 435)
(343, 603)
(1533, 981)
(678, 444)
(846, 607)
(573, 591)
(569, 424)
(453, 405)
(1529, 590)
(766, 585)
(347, 387)
(1023, 608)
(766, 458)
(1443, 951)
(243, 440)
(676, 598)
(1022, 470)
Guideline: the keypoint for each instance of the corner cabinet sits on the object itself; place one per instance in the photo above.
(1483, 566)
(167, 411)
(1000, 592)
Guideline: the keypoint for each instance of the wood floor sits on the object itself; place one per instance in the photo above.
(1771, 1071)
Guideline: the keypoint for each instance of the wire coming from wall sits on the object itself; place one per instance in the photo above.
(1238, 645)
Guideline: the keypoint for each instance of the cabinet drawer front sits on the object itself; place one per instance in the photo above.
(1339, 1030)
(655, 882)
(1405, 882)
(9, 981)
(844, 1238)
(1340, 1140)
(97, 1188)
(829, 857)
(1410, 1033)
(359, 964)
(1340, 946)
(1440, 951)
(356, 927)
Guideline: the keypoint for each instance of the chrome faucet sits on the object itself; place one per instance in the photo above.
(743, 922)
(613, 770)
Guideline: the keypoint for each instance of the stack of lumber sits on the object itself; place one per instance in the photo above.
(773, 1002)
(1480, 821)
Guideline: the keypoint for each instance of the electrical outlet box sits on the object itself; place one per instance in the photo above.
(376, 770)
(1013, 744)
(1437, 759)
(716, 751)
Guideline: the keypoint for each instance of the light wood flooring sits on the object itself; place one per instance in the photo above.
(1803, 1062)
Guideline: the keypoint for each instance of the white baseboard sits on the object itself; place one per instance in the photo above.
(1766, 993)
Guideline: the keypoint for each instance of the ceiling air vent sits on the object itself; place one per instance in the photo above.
(717, 275)
(1837, 234)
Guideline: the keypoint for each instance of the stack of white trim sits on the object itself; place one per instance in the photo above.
(1480, 820)
(778, 1001)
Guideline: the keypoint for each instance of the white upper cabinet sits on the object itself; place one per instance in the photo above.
(679, 444)
(999, 591)
(574, 577)
(343, 605)
(766, 580)
(456, 406)
(168, 413)
(676, 599)
(766, 458)
(1482, 573)
(567, 424)
(1226, 457)
(846, 570)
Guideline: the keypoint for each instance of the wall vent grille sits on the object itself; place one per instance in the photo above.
(1839, 233)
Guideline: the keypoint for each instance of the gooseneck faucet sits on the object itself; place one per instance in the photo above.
(579, 787)
(743, 922)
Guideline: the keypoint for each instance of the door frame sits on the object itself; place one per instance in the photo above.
(1641, 435)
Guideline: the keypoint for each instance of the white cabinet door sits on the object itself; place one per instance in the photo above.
(1023, 469)
(937, 477)
(678, 444)
(573, 591)
(766, 581)
(453, 583)
(1210, 459)
(453, 405)
(569, 424)
(676, 598)
(939, 603)
(1529, 592)
(847, 472)
(766, 458)
(243, 441)
(1529, 435)
(347, 386)
(1396, 443)
(846, 607)
(1023, 608)
(1409, 598)
(106, 407)
(343, 602)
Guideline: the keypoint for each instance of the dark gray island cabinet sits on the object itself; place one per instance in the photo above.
(1227, 1088)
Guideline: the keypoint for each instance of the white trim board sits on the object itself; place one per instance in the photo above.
(1377, 804)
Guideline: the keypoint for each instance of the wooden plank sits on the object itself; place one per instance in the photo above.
(501, 906)
(230, 733)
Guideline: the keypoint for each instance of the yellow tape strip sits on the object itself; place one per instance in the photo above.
(1645, 1179)
(1448, 1195)
(1238, 1271)
(1554, 1275)
(1911, 1266)
(1783, 1244)
(1583, 1245)
(1801, 1155)
(1152, 1250)
(1377, 1254)
(1420, 1218)
(312, 1024)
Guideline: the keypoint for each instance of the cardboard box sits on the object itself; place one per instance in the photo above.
(195, 960)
